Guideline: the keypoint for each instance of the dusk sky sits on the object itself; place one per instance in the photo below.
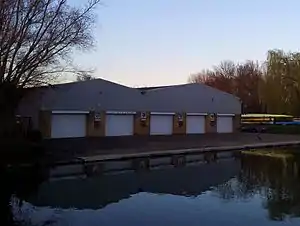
(160, 42)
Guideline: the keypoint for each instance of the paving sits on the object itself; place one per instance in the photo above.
(114, 147)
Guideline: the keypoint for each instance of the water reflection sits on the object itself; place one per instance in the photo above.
(275, 179)
(254, 190)
(97, 192)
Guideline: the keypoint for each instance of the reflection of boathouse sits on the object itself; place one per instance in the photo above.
(96, 192)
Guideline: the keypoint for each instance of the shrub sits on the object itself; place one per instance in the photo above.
(283, 129)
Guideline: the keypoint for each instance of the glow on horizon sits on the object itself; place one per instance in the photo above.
(146, 43)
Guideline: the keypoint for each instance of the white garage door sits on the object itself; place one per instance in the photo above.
(119, 125)
(195, 124)
(161, 124)
(64, 125)
(224, 124)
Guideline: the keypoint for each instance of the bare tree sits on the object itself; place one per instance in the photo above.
(37, 38)
(242, 80)
(84, 77)
(205, 77)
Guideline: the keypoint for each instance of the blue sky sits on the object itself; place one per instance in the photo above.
(159, 42)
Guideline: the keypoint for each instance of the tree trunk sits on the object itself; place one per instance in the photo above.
(10, 97)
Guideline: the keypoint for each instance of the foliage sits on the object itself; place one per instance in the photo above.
(270, 87)
(283, 129)
(281, 82)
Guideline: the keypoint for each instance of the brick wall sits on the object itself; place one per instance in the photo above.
(209, 127)
(141, 127)
(236, 123)
(95, 128)
(45, 123)
(177, 127)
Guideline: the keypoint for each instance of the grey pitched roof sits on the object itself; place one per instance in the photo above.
(100, 94)
(152, 87)
(192, 97)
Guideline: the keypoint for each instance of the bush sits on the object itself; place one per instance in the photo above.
(283, 129)
(15, 152)
(34, 136)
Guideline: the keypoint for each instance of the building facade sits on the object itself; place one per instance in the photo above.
(102, 108)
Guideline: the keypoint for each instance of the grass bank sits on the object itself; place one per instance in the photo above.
(269, 153)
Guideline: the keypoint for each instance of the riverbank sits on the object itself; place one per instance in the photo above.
(66, 150)
(102, 164)
(103, 161)
(165, 153)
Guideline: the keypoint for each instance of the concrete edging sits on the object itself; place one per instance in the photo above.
(164, 153)
(96, 165)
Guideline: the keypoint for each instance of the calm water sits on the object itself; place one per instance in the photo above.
(254, 190)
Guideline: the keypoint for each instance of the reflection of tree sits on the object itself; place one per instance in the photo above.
(277, 181)
(18, 182)
(274, 179)
(234, 189)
